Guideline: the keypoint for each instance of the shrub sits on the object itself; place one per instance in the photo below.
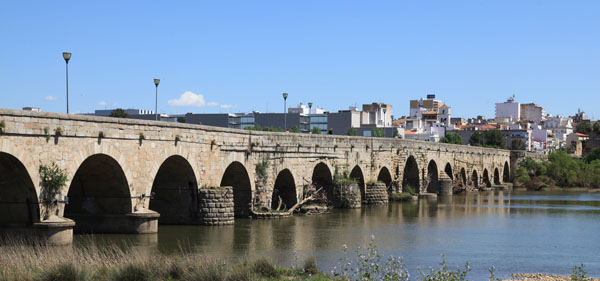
(63, 272)
(377, 132)
(352, 132)
(409, 189)
(2, 126)
(261, 170)
(142, 137)
(310, 266)
(58, 131)
(101, 134)
(264, 268)
(53, 177)
(316, 131)
(47, 133)
(132, 272)
(178, 138)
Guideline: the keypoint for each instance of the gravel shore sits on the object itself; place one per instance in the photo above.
(542, 277)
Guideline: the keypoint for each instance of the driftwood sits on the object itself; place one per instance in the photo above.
(303, 201)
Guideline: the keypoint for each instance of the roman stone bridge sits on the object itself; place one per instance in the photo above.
(125, 176)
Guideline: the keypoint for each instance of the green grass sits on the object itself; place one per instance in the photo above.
(400, 197)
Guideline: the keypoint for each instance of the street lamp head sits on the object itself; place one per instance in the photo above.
(384, 110)
(156, 81)
(285, 95)
(67, 56)
(310, 104)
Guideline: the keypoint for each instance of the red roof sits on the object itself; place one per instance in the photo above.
(581, 135)
(429, 112)
(410, 132)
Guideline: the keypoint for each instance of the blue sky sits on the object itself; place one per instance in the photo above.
(241, 55)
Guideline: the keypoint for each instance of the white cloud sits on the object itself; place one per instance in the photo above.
(190, 99)
(50, 98)
(102, 103)
(226, 106)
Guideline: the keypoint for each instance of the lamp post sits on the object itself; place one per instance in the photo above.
(67, 57)
(285, 95)
(309, 108)
(156, 82)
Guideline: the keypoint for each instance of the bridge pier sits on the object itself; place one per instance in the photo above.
(133, 223)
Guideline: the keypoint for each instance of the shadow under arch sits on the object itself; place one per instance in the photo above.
(433, 184)
(99, 196)
(18, 199)
(475, 179)
(285, 188)
(448, 171)
(410, 177)
(357, 175)
(175, 192)
(506, 172)
(385, 177)
(486, 178)
(496, 176)
(323, 179)
(237, 177)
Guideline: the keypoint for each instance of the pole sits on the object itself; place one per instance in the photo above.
(156, 104)
(284, 114)
(67, 87)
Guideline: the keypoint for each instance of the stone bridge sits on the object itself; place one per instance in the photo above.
(123, 173)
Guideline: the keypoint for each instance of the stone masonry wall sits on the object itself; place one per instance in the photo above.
(216, 206)
(376, 193)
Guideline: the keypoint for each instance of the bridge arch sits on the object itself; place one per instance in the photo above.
(18, 198)
(448, 171)
(433, 185)
(496, 176)
(358, 176)
(410, 179)
(385, 177)
(175, 191)
(322, 178)
(475, 179)
(506, 172)
(486, 178)
(99, 189)
(285, 188)
(237, 177)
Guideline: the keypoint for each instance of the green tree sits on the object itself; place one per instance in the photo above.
(352, 132)
(596, 128)
(316, 131)
(583, 128)
(256, 127)
(477, 139)
(295, 129)
(517, 144)
(119, 113)
(181, 119)
(377, 132)
(494, 138)
(452, 137)
(593, 155)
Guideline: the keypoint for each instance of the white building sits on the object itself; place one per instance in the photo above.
(532, 112)
(304, 109)
(509, 109)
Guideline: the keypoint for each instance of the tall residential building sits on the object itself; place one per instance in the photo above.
(509, 109)
(376, 114)
(420, 105)
(532, 112)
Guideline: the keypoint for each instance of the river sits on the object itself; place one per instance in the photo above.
(513, 231)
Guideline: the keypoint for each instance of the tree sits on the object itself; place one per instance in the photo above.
(181, 119)
(119, 113)
(256, 127)
(352, 132)
(377, 132)
(294, 129)
(316, 131)
(517, 144)
(477, 139)
(494, 138)
(596, 128)
(583, 128)
(452, 137)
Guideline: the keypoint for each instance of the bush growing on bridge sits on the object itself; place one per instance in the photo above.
(53, 177)
(2, 126)
(261, 170)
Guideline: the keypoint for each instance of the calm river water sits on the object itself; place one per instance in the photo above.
(513, 231)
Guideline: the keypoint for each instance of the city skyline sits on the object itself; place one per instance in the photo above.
(336, 54)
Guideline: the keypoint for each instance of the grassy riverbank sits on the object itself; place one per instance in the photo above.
(21, 262)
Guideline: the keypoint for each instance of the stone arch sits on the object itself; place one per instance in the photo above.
(18, 198)
(322, 179)
(410, 177)
(475, 179)
(175, 191)
(496, 176)
(433, 184)
(448, 171)
(237, 177)
(486, 178)
(357, 175)
(385, 177)
(285, 188)
(506, 172)
(99, 190)
(463, 176)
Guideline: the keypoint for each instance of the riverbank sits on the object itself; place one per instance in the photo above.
(547, 277)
